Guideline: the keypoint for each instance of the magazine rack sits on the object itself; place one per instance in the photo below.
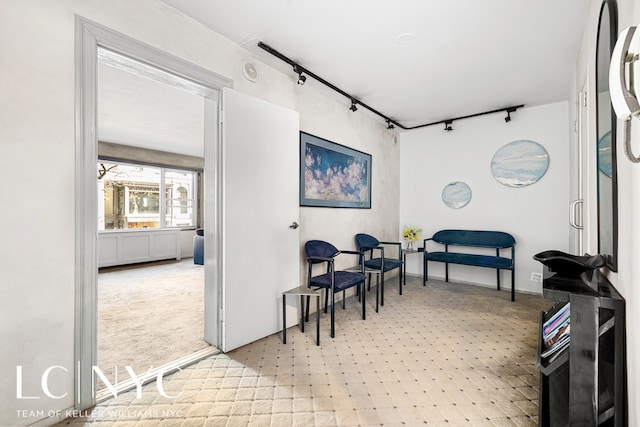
(585, 383)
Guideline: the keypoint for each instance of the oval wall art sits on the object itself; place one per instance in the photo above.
(520, 163)
(456, 194)
(604, 155)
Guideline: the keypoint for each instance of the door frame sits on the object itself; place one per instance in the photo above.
(577, 211)
(89, 37)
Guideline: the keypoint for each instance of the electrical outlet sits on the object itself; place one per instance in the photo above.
(536, 277)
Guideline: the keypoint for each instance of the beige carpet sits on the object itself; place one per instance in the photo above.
(444, 354)
(149, 314)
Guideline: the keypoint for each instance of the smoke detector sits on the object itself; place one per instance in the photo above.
(250, 71)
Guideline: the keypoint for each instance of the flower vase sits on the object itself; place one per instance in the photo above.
(410, 244)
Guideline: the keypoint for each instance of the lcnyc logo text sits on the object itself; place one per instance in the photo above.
(45, 390)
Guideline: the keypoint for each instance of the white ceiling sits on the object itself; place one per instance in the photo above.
(147, 112)
(415, 61)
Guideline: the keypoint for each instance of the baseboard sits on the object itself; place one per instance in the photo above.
(482, 285)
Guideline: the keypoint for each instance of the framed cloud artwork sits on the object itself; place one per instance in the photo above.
(333, 175)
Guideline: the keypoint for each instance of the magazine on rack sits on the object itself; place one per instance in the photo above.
(557, 319)
(556, 331)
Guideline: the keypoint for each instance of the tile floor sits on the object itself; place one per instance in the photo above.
(444, 354)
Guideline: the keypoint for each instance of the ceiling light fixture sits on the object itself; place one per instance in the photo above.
(509, 111)
(301, 78)
(447, 125)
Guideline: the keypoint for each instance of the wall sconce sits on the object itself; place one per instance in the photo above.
(447, 125)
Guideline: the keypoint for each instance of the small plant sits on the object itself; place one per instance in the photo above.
(411, 234)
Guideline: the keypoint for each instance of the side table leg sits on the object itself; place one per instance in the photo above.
(404, 270)
(318, 318)
(284, 318)
(302, 313)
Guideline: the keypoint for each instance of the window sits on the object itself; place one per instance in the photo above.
(182, 192)
(180, 200)
(135, 196)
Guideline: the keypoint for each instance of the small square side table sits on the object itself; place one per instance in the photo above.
(406, 251)
(302, 291)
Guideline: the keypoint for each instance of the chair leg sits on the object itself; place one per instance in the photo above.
(382, 289)
(364, 315)
(513, 285)
(326, 299)
(343, 297)
(400, 281)
(369, 282)
(377, 297)
(333, 314)
(307, 311)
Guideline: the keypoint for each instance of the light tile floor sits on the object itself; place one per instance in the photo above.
(444, 354)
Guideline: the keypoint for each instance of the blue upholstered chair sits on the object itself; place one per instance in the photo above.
(332, 281)
(198, 247)
(367, 245)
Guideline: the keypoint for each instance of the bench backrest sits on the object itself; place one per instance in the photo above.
(485, 239)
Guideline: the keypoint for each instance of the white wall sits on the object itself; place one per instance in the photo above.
(339, 226)
(627, 279)
(186, 243)
(37, 164)
(536, 215)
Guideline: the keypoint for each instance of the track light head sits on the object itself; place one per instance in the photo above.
(353, 107)
(389, 124)
(447, 125)
(509, 111)
(301, 78)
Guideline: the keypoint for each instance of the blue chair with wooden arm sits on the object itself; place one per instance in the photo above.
(332, 281)
(366, 245)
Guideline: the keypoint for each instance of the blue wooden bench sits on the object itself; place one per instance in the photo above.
(481, 239)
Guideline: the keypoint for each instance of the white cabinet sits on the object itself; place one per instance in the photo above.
(132, 246)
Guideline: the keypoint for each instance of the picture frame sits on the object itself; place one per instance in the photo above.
(333, 175)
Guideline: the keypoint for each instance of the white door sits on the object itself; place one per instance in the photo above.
(261, 252)
(576, 208)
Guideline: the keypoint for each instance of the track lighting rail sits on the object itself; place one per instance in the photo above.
(448, 122)
(299, 69)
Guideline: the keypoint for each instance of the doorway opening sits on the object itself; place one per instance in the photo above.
(150, 160)
(138, 61)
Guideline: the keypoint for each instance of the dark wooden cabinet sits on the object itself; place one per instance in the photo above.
(585, 383)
